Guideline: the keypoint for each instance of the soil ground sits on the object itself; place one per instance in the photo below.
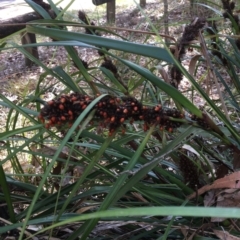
(127, 16)
(11, 8)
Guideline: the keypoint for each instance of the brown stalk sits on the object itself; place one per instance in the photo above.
(89, 26)
(210, 66)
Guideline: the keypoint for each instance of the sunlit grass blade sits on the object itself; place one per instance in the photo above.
(140, 49)
(155, 211)
(66, 79)
(115, 81)
(6, 135)
(55, 22)
(39, 9)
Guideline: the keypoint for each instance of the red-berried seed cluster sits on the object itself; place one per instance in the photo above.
(189, 170)
(111, 112)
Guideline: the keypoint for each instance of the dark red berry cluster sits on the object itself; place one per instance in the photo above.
(189, 170)
(64, 109)
(111, 112)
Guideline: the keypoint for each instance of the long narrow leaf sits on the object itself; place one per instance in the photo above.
(140, 49)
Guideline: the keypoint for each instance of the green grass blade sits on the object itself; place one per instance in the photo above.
(87, 227)
(170, 90)
(7, 195)
(6, 135)
(154, 211)
(38, 9)
(59, 150)
(139, 49)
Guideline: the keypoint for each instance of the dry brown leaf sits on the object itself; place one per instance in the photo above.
(224, 235)
(227, 198)
(163, 73)
(139, 197)
(84, 209)
(229, 181)
(209, 198)
(193, 62)
(184, 230)
(78, 171)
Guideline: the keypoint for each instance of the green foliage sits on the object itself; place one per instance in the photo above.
(138, 177)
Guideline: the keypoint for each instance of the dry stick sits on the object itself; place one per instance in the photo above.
(166, 29)
(234, 224)
(205, 54)
(104, 27)
(89, 26)
(19, 228)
